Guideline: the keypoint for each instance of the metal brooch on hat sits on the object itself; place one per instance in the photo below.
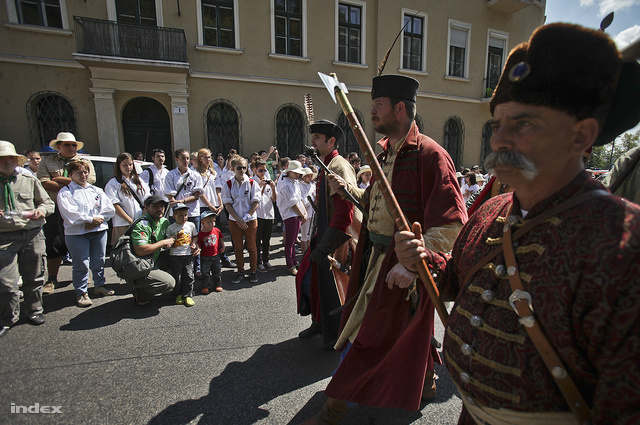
(519, 71)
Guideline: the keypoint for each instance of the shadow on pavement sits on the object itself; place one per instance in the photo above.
(112, 312)
(236, 396)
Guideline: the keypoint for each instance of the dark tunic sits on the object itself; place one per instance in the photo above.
(388, 359)
(582, 269)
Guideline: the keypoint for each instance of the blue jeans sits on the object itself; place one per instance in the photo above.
(87, 252)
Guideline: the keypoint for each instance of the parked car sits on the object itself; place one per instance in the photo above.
(104, 166)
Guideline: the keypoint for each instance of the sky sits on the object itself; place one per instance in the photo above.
(624, 29)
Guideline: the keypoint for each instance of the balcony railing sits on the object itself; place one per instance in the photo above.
(109, 38)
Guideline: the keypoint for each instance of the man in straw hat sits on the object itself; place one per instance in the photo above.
(387, 359)
(23, 205)
(316, 284)
(52, 172)
(546, 279)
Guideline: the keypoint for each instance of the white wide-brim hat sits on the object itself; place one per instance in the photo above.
(295, 167)
(7, 149)
(64, 137)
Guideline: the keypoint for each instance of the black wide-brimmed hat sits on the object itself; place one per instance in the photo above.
(576, 70)
(327, 128)
(396, 86)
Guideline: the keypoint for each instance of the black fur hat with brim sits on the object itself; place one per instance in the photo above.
(576, 70)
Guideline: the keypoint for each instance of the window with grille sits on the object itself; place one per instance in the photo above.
(222, 123)
(137, 12)
(218, 23)
(349, 33)
(413, 40)
(453, 136)
(45, 13)
(291, 131)
(288, 27)
(458, 50)
(348, 142)
(495, 60)
(48, 114)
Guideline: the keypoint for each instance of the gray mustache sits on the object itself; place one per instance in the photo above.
(511, 159)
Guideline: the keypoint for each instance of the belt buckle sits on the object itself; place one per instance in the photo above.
(519, 295)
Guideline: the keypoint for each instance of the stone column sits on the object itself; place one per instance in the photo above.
(107, 121)
(180, 120)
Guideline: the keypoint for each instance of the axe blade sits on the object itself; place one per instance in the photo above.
(331, 83)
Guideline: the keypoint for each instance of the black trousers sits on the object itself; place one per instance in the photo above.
(263, 239)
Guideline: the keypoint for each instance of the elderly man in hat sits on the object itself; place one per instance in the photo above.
(23, 205)
(386, 355)
(52, 172)
(316, 284)
(148, 238)
(546, 325)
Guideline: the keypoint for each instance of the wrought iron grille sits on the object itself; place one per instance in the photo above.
(348, 142)
(109, 38)
(453, 137)
(486, 142)
(291, 134)
(49, 113)
(222, 126)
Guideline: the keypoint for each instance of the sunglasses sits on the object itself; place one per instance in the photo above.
(67, 145)
(241, 168)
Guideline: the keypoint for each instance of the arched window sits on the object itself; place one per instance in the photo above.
(453, 139)
(486, 142)
(291, 130)
(420, 124)
(348, 142)
(48, 114)
(222, 126)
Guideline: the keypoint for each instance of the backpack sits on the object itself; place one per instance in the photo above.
(125, 262)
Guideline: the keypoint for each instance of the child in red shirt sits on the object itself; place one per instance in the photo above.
(212, 246)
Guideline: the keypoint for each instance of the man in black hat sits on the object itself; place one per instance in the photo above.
(148, 238)
(316, 286)
(546, 326)
(385, 340)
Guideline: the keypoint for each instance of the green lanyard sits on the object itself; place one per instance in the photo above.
(9, 201)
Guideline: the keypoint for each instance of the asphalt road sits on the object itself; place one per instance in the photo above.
(233, 358)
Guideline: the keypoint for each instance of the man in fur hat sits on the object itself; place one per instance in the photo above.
(546, 325)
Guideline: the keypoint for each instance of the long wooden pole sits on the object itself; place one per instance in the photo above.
(390, 199)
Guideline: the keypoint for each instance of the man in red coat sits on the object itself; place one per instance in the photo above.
(385, 339)
(552, 267)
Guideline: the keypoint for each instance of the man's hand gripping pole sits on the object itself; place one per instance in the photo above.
(338, 91)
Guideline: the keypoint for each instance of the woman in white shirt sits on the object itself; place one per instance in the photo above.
(364, 176)
(471, 186)
(265, 213)
(211, 198)
(241, 197)
(292, 211)
(127, 193)
(85, 209)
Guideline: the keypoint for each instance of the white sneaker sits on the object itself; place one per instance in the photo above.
(261, 268)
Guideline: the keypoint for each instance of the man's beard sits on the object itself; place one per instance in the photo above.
(511, 159)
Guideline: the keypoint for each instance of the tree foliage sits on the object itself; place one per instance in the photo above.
(603, 157)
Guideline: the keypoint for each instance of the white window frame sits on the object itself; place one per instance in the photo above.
(12, 15)
(363, 34)
(113, 16)
(425, 17)
(273, 53)
(501, 35)
(236, 31)
(462, 26)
